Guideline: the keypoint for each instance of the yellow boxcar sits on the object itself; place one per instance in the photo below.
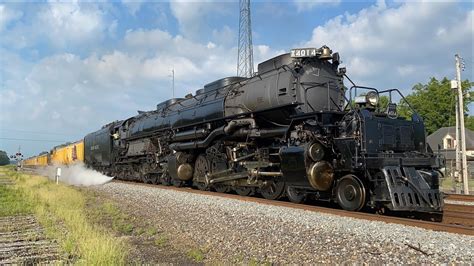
(29, 162)
(80, 151)
(68, 154)
(40, 160)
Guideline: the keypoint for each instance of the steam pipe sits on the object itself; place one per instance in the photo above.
(230, 128)
(190, 134)
(260, 132)
(198, 144)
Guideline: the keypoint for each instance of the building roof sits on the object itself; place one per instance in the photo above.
(436, 138)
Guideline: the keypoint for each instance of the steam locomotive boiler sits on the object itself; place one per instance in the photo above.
(288, 131)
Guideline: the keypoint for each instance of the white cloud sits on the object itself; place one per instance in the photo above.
(8, 15)
(65, 23)
(225, 36)
(133, 6)
(59, 25)
(402, 45)
(149, 39)
(112, 28)
(192, 15)
(307, 5)
(210, 45)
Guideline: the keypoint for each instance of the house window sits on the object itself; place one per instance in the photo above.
(449, 143)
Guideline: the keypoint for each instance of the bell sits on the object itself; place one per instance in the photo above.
(325, 53)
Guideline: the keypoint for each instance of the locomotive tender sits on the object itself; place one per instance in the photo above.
(289, 130)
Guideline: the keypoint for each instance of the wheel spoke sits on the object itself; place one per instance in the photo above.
(244, 191)
(273, 191)
(201, 168)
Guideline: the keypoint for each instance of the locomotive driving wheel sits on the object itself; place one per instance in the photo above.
(201, 168)
(221, 188)
(155, 179)
(295, 195)
(350, 193)
(244, 191)
(217, 166)
(177, 183)
(273, 191)
(165, 179)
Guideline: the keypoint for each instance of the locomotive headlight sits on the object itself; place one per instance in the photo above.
(372, 98)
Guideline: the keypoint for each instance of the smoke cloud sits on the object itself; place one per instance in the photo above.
(77, 175)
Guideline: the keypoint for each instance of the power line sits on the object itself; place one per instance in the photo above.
(34, 132)
(42, 140)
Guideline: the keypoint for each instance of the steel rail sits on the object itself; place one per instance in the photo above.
(460, 197)
(459, 214)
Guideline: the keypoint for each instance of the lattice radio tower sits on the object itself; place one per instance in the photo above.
(245, 55)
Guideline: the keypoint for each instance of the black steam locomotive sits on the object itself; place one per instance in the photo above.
(288, 131)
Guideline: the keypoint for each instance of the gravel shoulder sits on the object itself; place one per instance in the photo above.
(234, 231)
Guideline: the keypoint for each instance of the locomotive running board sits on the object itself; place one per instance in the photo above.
(410, 192)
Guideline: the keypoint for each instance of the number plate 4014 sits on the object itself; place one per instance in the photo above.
(304, 52)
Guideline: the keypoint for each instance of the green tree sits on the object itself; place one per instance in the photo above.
(435, 103)
(469, 122)
(4, 160)
(383, 103)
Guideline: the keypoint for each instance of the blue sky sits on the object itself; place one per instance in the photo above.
(67, 68)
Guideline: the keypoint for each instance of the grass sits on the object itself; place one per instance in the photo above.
(12, 202)
(150, 231)
(448, 183)
(120, 221)
(61, 210)
(255, 262)
(161, 241)
(196, 254)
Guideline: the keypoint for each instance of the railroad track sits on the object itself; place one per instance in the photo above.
(459, 214)
(460, 197)
(459, 219)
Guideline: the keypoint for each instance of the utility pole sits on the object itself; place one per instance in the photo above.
(245, 53)
(462, 142)
(457, 172)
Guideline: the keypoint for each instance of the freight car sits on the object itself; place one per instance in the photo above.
(293, 129)
(65, 154)
(36, 161)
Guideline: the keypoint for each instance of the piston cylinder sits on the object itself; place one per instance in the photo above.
(321, 175)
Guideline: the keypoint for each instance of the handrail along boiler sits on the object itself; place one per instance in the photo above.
(289, 130)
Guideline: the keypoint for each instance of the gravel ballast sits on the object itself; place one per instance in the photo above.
(237, 231)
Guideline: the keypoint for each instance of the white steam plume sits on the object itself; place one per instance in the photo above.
(76, 174)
